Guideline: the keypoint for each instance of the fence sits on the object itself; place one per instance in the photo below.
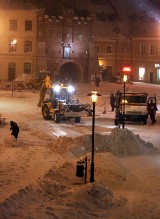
(12, 85)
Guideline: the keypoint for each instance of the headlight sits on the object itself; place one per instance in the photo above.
(57, 88)
(71, 89)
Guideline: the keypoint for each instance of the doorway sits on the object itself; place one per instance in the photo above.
(11, 71)
(151, 77)
(69, 72)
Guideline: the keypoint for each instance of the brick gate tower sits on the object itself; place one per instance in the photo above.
(66, 47)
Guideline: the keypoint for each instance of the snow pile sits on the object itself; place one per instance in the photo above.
(92, 200)
(57, 188)
(115, 172)
(26, 78)
(124, 142)
(121, 142)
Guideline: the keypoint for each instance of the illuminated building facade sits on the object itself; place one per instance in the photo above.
(18, 35)
(75, 48)
(32, 42)
(66, 47)
(139, 51)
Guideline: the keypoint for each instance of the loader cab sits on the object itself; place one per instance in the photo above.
(60, 93)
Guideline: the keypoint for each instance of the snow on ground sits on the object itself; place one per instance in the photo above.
(38, 172)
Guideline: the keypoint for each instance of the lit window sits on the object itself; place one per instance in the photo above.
(28, 46)
(27, 68)
(28, 25)
(109, 49)
(141, 73)
(13, 25)
(66, 52)
(158, 74)
(12, 45)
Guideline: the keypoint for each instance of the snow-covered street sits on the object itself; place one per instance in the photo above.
(38, 172)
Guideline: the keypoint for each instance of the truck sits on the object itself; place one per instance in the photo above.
(132, 106)
(60, 105)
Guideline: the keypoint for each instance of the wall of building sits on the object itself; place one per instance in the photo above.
(20, 35)
(128, 52)
(87, 46)
(67, 31)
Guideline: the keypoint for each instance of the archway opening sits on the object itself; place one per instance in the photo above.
(69, 72)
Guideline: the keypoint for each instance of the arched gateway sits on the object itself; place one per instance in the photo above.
(69, 71)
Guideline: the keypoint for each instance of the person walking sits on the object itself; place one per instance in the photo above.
(112, 102)
(15, 129)
(97, 81)
(152, 108)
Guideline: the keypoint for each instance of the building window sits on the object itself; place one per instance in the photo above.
(28, 46)
(126, 49)
(28, 25)
(97, 48)
(152, 50)
(66, 52)
(141, 73)
(13, 25)
(109, 49)
(158, 74)
(27, 68)
(12, 45)
(142, 49)
(11, 71)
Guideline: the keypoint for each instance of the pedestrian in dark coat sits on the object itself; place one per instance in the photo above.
(112, 102)
(97, 81)
(15, 129)
(152, 108)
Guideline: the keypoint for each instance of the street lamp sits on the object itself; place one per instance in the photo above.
(124, 80)
(94, 95)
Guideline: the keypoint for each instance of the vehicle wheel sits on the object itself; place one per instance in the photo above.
(77, 119)
(45, 112)
(144, 121)
(116, 122)
(57, 117)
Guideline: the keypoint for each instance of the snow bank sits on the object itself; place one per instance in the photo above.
(124, 142)
(121, 142)
(69, 200)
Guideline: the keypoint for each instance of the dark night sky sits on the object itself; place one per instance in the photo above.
(150, 8)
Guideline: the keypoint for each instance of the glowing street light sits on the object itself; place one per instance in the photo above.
(94, 95)
(124, 80)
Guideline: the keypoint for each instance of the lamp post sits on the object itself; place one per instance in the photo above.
(124, 80)
(94, 95)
